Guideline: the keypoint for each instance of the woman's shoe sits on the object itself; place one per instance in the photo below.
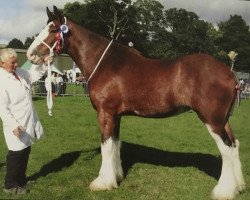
(10, 191)
(22, 190)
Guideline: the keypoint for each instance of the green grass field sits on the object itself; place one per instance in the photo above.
(172, 159)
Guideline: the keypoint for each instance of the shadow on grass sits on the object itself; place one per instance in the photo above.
(134, 153)
(37, 98)
(63, 161)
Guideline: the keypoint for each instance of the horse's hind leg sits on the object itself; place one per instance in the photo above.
(111, 170)
(231, 180)
(236, 160)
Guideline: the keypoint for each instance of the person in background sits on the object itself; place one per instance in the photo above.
(53, 84)
(65, 80)
(59, 83)
(21, 125)
(86, 88)
(82, 79)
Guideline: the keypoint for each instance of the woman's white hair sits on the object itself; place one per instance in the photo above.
(7, 53)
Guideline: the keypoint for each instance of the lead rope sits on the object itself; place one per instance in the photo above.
(232, 55)
(49, 91)
(99, 60)
(49, 82)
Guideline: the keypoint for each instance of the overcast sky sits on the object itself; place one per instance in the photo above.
(24, 18)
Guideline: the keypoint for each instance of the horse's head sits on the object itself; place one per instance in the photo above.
(50, 39)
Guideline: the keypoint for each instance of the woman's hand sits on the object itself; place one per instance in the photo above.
(48, 59)
(18, 131)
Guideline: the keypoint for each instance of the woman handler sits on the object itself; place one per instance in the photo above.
(21, 124)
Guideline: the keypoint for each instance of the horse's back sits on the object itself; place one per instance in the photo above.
(190, 76)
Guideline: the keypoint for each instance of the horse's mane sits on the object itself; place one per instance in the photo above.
(130, 49)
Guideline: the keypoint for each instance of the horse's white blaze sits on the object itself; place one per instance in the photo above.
(231, 179)
(41, 37)
(111, 169)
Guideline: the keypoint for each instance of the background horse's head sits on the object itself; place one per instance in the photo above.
(50, 39)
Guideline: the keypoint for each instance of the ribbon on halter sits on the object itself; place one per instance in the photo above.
(58, 42)
(64, 29)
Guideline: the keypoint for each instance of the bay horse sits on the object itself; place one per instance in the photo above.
(124, 82)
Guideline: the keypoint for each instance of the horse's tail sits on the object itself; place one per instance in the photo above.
(237, 87)
(238, 94)
(235, 95)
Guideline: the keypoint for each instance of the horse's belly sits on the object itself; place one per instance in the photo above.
(154, 109)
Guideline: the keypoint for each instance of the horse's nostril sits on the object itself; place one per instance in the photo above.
(32, 56)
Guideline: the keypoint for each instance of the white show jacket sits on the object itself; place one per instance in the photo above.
(16, 107)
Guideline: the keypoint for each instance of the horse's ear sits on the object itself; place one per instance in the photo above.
(51, 15)
(58, 14)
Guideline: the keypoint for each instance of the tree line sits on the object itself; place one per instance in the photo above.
(160, 33)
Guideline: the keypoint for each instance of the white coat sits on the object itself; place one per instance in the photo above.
(16, 107)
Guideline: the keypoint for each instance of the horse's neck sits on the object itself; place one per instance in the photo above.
(85, 48)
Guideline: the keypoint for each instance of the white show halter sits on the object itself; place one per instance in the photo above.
(63, 30)
(99, 61)
(49, 91)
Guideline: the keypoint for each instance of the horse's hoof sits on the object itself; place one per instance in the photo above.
(221, 193)
(102, 184)
(219, 196)
(241, 188)
(119, 179)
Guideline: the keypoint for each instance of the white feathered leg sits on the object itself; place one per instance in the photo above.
(227, 184)
(111, 169)
(237, 169)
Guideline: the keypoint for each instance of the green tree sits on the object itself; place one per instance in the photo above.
(144, 23)
(149, 19)
(162, 33)
(28, 42)
(106, 17)
(75, 11)
(110, 18)
(16, 44)
(235, 36)
(189, 34)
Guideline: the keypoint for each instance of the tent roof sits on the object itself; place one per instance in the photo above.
(26, 65)
(77, 70)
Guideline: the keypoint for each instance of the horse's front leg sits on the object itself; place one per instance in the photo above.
(111, 170)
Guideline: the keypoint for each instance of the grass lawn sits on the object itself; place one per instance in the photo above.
(172, 159)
